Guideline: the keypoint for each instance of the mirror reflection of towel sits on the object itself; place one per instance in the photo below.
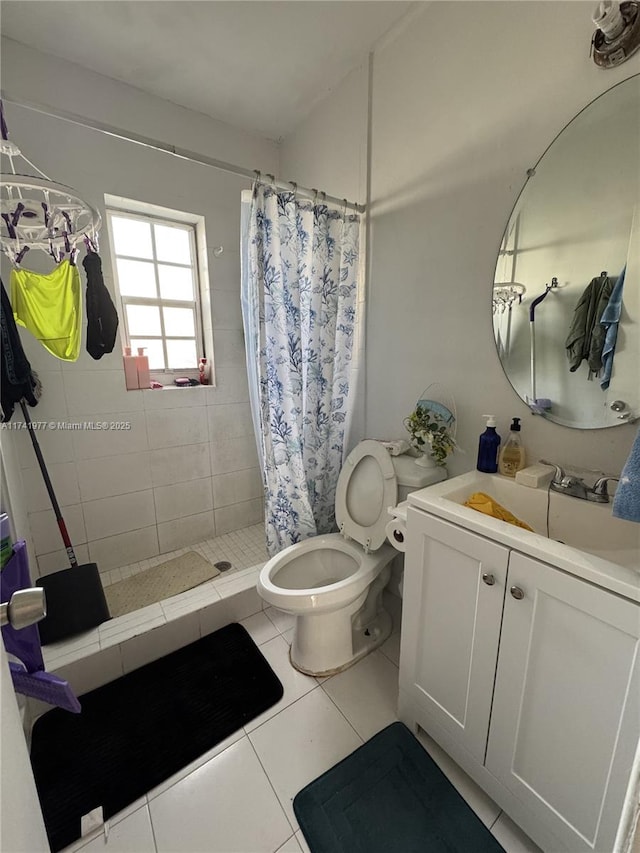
(586, 335)
(609, 321)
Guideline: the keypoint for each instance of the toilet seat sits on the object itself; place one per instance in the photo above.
(367, 486)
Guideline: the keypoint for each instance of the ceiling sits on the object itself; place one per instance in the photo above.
(260, 66)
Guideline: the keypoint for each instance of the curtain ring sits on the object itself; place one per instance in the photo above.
(295, 190)
(344, 209)
(324, 196)
(272, 178)
(257, 182)
(315, 195)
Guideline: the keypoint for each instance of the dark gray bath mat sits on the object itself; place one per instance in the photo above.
(389, 796)
(135, 732)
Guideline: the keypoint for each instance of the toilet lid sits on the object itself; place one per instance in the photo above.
(367, 486)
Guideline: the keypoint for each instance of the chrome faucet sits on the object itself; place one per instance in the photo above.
(600, 489)
(576, 487)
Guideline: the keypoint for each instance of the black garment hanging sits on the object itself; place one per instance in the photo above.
(17, 380)
(102, 317)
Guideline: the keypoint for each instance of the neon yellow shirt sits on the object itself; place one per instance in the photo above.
(50, 307)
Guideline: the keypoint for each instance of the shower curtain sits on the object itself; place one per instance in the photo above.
(299, 297)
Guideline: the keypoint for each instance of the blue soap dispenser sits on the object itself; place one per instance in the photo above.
(488, 447)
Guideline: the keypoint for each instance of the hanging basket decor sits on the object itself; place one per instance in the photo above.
(430, 433)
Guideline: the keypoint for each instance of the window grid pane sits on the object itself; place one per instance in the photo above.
(181, 353)
(137, 278)
(175, 282)
(154, 350)
(172, 243)
(143, 320)
(179, 322)
(132, 237)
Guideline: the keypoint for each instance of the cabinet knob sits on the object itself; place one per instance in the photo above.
(488, 578)
(517, 592)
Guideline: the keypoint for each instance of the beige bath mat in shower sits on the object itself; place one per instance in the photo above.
(159, 582)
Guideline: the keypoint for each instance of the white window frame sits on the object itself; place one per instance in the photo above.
(194, 225)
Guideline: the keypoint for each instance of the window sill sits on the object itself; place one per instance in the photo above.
(168, 377)
(175, 388)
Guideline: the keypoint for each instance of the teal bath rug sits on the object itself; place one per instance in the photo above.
(389, 796)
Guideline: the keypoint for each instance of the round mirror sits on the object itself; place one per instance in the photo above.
(566, 293)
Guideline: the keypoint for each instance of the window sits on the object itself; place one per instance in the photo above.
(156, 271)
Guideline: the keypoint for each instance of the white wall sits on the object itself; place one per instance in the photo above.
(40, 78)
(21, 824)
(187, 469)
(329, 149)
(464, 100)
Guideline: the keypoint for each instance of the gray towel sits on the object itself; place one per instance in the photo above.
(626, 503)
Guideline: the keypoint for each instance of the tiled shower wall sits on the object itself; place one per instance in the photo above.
(186, 470)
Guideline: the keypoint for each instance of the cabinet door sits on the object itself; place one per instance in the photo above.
(566, 710)
(453, 591)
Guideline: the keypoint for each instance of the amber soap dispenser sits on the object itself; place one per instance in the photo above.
(512, 455)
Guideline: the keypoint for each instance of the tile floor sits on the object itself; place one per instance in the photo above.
(237, 798)
(242, 548)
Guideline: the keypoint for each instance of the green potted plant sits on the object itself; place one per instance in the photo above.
(430, 435)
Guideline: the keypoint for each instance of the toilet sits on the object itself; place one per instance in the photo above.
(333, 583)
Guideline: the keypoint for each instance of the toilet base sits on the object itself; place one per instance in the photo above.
(364, 639)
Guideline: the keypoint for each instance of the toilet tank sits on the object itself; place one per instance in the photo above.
(411, 476)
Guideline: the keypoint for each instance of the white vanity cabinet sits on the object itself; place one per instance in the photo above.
(451, 626)
(527, 675)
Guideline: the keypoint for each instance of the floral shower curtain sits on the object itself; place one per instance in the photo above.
(299, 299)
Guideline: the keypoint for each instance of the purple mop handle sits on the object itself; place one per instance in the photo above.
(44, 686)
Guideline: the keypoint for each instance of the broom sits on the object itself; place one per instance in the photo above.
(75, 597)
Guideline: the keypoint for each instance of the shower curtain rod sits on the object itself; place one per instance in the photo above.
(182, 153)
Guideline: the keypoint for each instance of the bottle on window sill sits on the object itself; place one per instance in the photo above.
(130, 370)
(203, 370)
(142, 364)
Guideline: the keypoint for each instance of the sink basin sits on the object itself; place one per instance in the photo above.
(580, 537)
